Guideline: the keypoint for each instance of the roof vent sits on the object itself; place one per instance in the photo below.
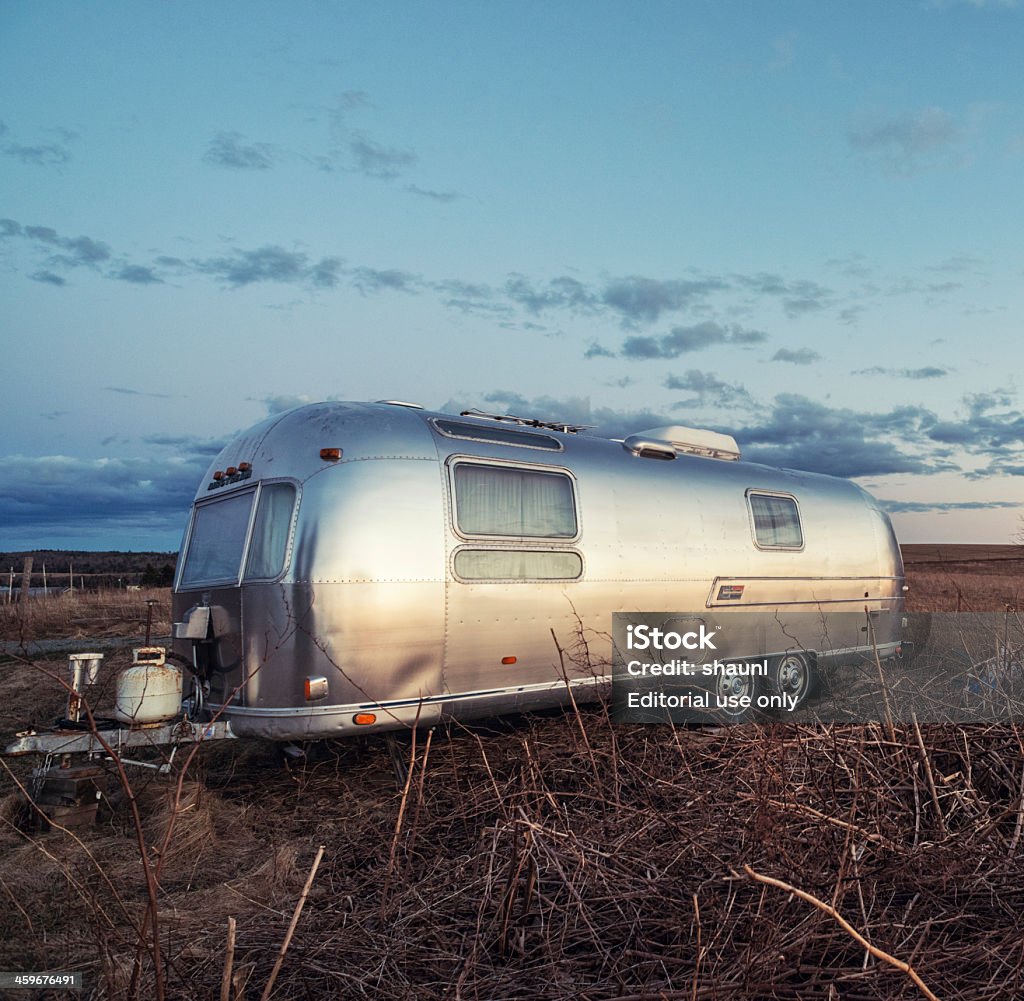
(529, 422)
(679, 439)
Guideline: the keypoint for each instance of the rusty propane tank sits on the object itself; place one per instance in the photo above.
(149, 691)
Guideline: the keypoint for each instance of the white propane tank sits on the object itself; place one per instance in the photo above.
(150, 690)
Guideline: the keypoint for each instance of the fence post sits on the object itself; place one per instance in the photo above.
(26, 578)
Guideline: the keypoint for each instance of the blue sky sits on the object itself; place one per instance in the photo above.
(798, 222)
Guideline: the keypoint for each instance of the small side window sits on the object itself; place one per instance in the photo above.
(776, 521)
(517, 564)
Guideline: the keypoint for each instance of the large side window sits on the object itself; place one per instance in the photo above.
(776, 521)
(270, 531)
(217, 540)
(508, 501)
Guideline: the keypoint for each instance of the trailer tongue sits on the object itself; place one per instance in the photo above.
(148, 712)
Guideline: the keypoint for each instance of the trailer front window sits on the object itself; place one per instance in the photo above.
(270, 531)
(217, 540)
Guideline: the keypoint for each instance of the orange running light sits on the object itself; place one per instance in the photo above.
(508, 660)
(364, 719)
(330, 454)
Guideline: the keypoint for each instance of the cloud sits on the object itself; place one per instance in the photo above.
(927, 372)
(709, 389)
(909, 143)
(48, 278)
(280, 403)
(682, 340)
(437, 196)
(81, 250)
(372, 280)
(115, 496)
(227, 149)
(962, 264)
(598, 351)
(643, 300)
(800, 433)
(470, 297)
(351, 100)
(798, 356)
(376, 160)
(559, 293)
(900, 507)
(189, 446)
(136, 274)
(124, 391)
(327, 272)
(44, 154)
(269, 264)
(357, 150)
(798, 297)
(984, 431)
(638, 301)
(979, 4)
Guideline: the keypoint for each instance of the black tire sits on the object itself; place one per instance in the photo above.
(794, 675)
(739, 687)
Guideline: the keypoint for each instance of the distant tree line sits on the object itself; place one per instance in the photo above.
(91, 569)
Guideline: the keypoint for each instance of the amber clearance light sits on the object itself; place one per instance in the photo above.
(330, 454)
(364, 719)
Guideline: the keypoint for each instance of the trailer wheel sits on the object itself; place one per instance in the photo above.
(736, 698)
(793, 675)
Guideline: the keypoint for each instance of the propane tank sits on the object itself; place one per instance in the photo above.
(149, 691)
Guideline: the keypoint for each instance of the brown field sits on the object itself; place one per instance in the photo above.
(964, 578)
(554, 856)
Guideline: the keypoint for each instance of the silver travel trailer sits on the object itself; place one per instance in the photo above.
(351, 567)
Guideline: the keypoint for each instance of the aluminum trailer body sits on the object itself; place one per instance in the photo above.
(351, 567)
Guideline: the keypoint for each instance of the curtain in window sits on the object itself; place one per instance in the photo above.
(514, 564)
(776, 521)
(270, 532)
(498, 500)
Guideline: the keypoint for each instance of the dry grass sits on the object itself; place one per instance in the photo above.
(85, 615)
(956, 590)
(544, 859)
(533, 865)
